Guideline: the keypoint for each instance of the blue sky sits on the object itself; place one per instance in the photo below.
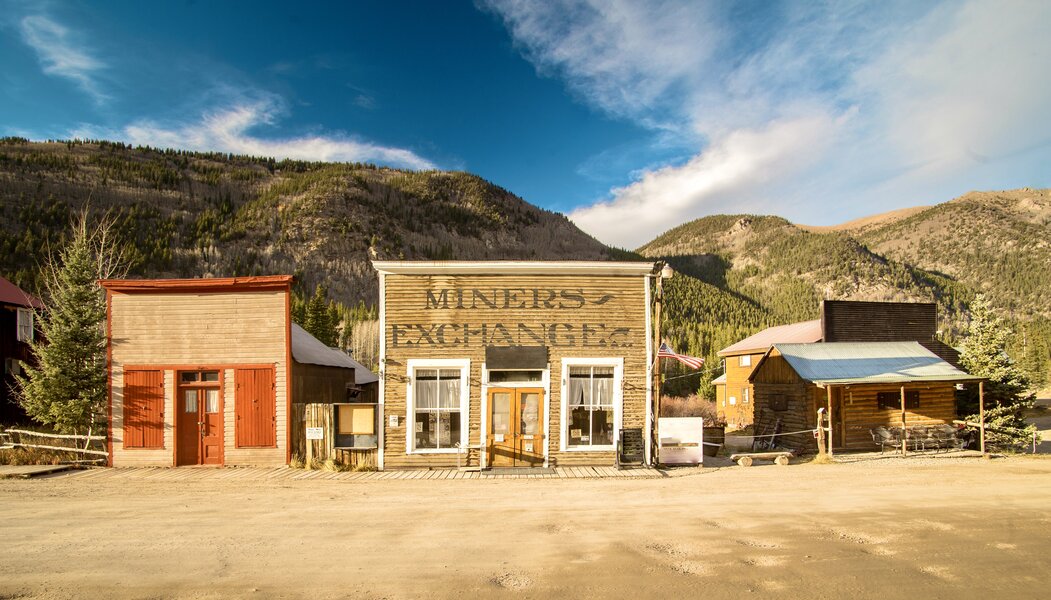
(629, 116)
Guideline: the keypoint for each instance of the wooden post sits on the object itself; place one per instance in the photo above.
(828, 396)
(904, 428)
(658, 300)
(981, 415)
(820, 433)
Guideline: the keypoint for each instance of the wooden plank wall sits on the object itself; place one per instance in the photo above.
(861, 411)
(736, 383)
(406, 303)
(322, 415)
(878, 321)
(193, 330)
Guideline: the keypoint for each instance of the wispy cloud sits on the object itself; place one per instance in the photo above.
(230, 130)
(61, 54)
(816, 111)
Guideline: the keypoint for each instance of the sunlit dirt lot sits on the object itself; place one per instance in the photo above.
(891, 528)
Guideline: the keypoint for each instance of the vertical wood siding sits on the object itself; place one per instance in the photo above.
(193, 330)
(144, 409)
(255, 407)
(405, 302)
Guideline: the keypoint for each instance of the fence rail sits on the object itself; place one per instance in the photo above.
(87, 440)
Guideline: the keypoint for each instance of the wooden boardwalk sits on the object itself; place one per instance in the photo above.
(248, 474)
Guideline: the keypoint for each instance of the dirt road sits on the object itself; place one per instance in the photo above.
(890, 529)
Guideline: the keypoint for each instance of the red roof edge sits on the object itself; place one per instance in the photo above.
(12, 294)
(214, 284)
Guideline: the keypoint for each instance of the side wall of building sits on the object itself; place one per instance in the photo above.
(736, 404)
(188, 331)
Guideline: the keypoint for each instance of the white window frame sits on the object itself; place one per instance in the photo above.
(745, 360)
(414, 364)
(24, 333)
(618, 401)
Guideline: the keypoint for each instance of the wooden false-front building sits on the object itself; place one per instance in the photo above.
(514, 364)
(859, 384)
(199, 371)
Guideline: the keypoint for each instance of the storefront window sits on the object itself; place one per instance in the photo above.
(437, 408)
(589, 397)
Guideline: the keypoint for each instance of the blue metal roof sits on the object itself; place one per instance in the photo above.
(868, 362)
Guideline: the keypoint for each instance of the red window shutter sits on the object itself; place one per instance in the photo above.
(255, 402)
(143, 409)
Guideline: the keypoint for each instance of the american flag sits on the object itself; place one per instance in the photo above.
(690, 361)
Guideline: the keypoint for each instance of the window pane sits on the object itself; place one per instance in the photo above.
(190, 401)
(579, 392)
(210, 376)
(426, 374)
(426, 394)
(579, 426)
(449, 393)
(501, 413)
(445, 433)
(602, 427)
(211, 401)
(603, 372)
(426, 429)
(188, 377)
(575, 371)
(449, 374)
(530, 413)
(603, 392)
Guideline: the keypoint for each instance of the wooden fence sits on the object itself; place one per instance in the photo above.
(83, 445)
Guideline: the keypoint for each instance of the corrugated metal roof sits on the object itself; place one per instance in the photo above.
(868, 362)
(12, 294)
(309, 350)
(804, 333)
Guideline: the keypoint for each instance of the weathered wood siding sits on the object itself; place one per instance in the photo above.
(741, 413)
(852, 321)
(614, 313)
(775, 379)
(861, 411)
(174, 331)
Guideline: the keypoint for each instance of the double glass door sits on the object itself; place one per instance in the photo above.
(516, 427)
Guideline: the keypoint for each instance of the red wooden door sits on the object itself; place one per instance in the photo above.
(200, 427)
(255, 404)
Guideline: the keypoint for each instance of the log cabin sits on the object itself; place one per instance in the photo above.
(841, 321)
(859, 384)
(514, 364)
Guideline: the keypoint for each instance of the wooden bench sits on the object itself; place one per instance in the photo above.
(745, 459)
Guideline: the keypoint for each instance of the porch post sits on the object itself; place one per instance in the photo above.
(904, 430)
(828, 397)
(981, 414)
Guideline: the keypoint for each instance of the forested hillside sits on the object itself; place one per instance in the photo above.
(993, 243)
(188, 214)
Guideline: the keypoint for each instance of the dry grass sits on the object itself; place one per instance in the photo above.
(35, 456)
(691, 406)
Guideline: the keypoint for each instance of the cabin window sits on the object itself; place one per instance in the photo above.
(25, 325)
(744, 360)
(733, 400)
(892, 400)
(744, 396)
(356, 426)
(438, 412)
(591, 404)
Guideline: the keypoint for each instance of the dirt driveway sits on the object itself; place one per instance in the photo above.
(963, 528)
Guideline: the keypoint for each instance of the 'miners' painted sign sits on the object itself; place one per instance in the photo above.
(556, 332)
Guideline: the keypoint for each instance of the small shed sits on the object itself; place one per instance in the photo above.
(334, 404)
(860, 384)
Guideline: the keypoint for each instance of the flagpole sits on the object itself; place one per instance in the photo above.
(665, 271)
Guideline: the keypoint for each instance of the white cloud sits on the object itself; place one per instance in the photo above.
(731, 173)
(228, 130)
(60, 55)
(814, 111)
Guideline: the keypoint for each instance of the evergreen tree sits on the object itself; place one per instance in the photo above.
(318, 321)
(67, 387)
(1007, 389)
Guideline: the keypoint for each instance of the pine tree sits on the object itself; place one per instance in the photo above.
(1007, 389)
(67, 388)
(318, 322)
